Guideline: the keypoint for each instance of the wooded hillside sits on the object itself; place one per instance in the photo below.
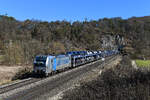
(20, 41)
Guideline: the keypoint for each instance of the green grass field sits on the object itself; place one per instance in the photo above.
(143, 63)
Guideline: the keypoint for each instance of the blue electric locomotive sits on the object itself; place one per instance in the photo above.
(47, 64)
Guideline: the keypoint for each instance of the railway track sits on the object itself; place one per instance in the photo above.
(32, 92)
(15, 85)
(6, 88)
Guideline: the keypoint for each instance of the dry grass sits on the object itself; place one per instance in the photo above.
(2, 82)
(8, 72)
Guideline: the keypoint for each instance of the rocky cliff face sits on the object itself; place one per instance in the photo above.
(110, 41)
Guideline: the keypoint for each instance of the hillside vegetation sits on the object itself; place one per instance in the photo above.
(20, 41)
(121, 82)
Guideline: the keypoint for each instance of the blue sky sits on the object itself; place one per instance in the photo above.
(72, 10)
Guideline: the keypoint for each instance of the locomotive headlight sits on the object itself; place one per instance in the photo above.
(34, 61)
(43, 70)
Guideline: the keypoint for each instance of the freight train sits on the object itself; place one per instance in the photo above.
(46, 64)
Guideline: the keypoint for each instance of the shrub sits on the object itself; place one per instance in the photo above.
(23, 73)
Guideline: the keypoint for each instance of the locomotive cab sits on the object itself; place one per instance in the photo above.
(43, 65)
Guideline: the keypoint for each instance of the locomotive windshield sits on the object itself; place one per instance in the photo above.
(40, 61)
